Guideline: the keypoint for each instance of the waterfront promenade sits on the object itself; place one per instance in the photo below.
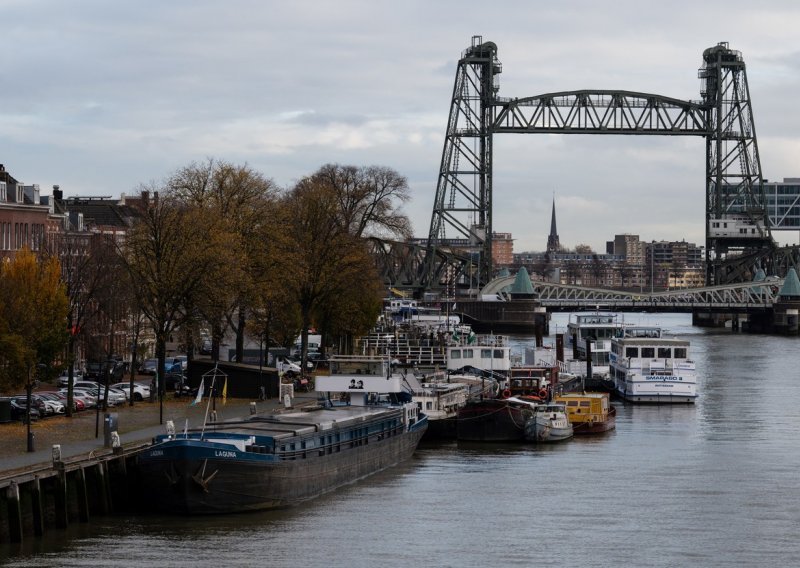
(136, 425)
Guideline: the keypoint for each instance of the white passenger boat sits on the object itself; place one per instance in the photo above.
(648, 367)
(600, 329)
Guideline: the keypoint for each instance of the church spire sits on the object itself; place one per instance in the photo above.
(552, 240)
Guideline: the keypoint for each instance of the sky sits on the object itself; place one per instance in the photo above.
(101, 97)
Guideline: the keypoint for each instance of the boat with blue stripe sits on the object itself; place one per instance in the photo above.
(365, 424)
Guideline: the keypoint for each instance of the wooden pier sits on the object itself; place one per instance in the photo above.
(50, 497)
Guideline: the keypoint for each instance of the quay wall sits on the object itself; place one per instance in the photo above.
(46, 498)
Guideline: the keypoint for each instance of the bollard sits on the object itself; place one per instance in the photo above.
(252, 408)
(109, 425)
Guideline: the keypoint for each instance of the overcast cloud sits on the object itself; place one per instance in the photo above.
(101, 96)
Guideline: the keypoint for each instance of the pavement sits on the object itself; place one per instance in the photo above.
(83, 434)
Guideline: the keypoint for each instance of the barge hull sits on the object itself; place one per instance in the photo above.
(188, 481)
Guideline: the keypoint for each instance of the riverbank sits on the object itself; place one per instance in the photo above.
(135, 425)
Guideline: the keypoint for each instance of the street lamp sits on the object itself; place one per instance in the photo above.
(29, 398)
(652, 255)
(106, 368)
(28, 392)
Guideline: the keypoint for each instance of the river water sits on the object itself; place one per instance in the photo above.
(713, 484)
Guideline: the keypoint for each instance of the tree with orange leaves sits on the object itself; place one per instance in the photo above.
(33, 316)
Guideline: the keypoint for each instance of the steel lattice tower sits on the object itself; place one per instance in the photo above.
(734, 184)
(464, 190)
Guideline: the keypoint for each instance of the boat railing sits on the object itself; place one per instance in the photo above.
(429, 355)
(467, 340)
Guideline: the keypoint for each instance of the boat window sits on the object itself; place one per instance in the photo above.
(664, 352)
(648, 352)
(631, 352)
(486, 353)
(468, 354)
(680, 353)
(498, 353)
(572, 403)
(585, 403)
(455, 354)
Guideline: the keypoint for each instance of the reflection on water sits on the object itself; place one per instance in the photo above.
(709, 484)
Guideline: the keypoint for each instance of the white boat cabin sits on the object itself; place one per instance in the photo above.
(486, 352)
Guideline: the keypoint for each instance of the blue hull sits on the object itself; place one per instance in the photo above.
(192, 476)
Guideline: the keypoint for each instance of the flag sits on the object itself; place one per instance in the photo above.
(456, 335)
(471, 337)
(199, 396)
(225, 391)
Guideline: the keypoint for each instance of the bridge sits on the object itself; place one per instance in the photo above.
(459, 243)
(750, 297)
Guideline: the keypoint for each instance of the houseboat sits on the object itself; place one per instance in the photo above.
(440, 401)
(494, 420)
(589, 412)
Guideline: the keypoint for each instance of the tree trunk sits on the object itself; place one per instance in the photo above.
(240, 335)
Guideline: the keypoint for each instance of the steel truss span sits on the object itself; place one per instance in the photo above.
(600, 112)
(737, 227)
(745, 297)
(406, 266)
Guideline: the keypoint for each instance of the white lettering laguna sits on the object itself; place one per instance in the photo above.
(224, 454)
(156, 453)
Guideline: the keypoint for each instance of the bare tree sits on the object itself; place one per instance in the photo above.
(240, 200)
(323, 261)
(369, 199)
(168, 254)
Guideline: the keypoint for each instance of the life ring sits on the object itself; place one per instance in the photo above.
(506, 393)
(543, 393)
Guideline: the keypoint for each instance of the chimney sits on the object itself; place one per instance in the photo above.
(58, 195)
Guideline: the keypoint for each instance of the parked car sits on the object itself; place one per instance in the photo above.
(89, 400)
(52, 404)
(148, 367)
(288, 367)
(77, 404)
(63, 378)
(19, 410)
(115, 396)
(21, 401)
(140, 391)
(183, 360)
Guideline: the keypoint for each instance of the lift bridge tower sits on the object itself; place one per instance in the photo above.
(737, 227)
(463, 200)
(737, 224)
